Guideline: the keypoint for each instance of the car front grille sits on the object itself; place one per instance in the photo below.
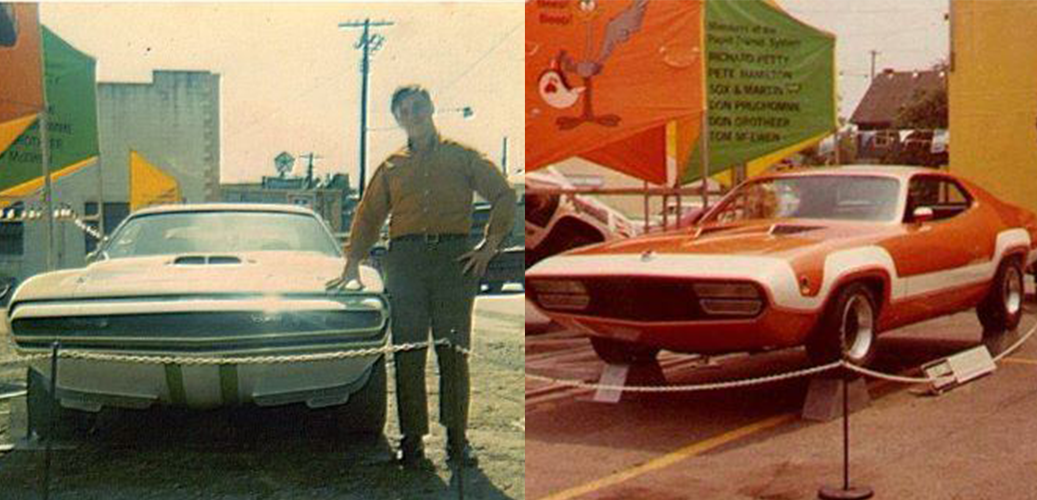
(200, 331)
(642, 299)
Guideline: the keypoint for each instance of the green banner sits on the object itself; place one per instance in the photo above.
(72, 118)
(770, 83)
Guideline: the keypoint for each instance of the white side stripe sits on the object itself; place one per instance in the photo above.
(776, 274)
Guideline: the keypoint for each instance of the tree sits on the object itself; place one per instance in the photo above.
(925, 111)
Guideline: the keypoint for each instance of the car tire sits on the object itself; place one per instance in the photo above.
(848, 328)
(41, 406)
(1002, 308)
(617, 352)
(364, 413)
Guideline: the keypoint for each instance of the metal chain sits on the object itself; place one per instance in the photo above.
(886, 376)
(1016, 345)
(236, 360)
(768, 379)
(21, 360)
(693, 387)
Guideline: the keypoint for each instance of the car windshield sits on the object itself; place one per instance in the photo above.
(840, 197)
(220, 232)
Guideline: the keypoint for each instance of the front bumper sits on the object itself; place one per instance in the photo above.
(773, 328)
(92, 385)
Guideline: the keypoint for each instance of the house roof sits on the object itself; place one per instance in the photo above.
(890, 91)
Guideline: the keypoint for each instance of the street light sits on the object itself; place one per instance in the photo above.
(466, 112)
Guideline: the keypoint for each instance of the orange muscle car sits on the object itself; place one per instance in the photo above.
(826, 258)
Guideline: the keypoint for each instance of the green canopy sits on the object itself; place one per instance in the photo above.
(72, 120)
(770, 84)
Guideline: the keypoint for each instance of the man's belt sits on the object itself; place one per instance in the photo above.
(430, 238)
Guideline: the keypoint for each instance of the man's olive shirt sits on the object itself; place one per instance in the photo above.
(430, 192)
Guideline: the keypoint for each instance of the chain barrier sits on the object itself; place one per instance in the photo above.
(887, 376)
(767, 379)
(1016, 345)
(237, 360)
(21, 360)
(693, 387)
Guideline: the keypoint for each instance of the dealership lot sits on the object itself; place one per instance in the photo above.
(974, 442)
(279, 454)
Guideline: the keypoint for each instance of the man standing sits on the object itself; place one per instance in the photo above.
(432, 272)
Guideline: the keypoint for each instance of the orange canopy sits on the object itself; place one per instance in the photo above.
(603, 77)
(21, 74)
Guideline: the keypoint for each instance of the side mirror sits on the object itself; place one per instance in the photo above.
(922, 214)
(95, 256)
(693, 217)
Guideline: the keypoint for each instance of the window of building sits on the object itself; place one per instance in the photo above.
(12, 232)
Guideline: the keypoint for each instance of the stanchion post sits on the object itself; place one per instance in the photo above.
(846, 492)
(459, 421)
(55, 402)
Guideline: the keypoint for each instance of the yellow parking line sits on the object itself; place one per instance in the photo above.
(1022, 361)
(673, 457)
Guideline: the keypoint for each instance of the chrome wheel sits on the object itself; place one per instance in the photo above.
(858, 328)
(1012, 290)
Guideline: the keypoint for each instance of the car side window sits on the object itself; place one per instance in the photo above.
(944, 196)
(540, 208)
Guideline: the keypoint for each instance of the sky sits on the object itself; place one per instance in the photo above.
(290, 77)
(908, 35)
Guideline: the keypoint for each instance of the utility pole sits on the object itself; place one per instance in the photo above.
(368, 43)
(874, 53)
(309, 168)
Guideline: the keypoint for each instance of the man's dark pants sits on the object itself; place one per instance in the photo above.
(429, 291)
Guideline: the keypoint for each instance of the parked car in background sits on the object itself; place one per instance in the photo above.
(508, 266)
(206, 281)
(826, 259)
(557, 223)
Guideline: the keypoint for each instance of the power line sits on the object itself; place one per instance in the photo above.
(483, 57)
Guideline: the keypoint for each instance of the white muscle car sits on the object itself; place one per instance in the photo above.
(206, 281)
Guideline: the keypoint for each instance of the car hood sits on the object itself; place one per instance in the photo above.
(781, 239)
(263, 272)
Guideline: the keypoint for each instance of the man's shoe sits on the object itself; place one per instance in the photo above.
(466, 455)
(412, 452)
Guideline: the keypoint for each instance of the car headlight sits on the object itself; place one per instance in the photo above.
(728, 299)
(561, 295)
(729, 307)
(559, 286)
(726, 290)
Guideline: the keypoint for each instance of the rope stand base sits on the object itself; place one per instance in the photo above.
(636, 374)
(852, 493)
(823, 401)
(18, 436)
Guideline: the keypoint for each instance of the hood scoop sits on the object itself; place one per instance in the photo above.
(201, 260)
(784, 229)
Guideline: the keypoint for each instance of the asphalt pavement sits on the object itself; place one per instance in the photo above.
(973, 442)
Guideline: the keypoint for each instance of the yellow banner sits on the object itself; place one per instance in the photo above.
(27, 188)
(10, 131)
(149, 185)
